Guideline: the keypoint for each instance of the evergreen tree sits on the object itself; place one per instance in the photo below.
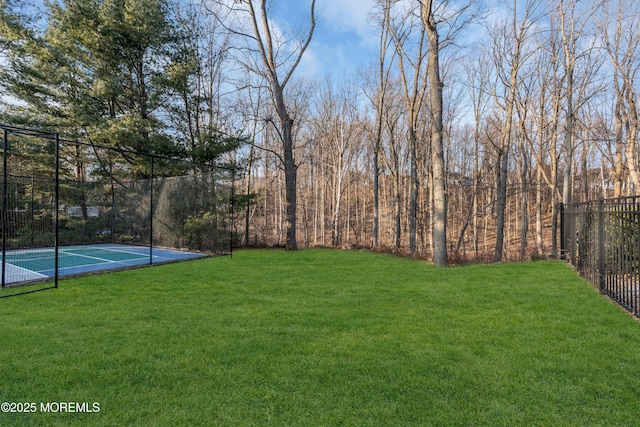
(122, 73)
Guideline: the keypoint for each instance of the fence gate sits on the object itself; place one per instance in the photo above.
(601, 239)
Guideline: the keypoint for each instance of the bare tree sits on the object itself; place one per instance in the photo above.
(524, 99)
(278, 58)
(409, 38)
(478, 75)
(622, 44)
(394, 155)
(437, 151)
(544, 143)
(376, 93)
(578, 65)
(509, 55)
(338, 131)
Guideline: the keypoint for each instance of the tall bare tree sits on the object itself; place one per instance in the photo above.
(622, 42)
(437, 150)
(409, 38)
(509, 55)
(278, 58)
(375, 93)
(580, 66)
(544, 143)
(478, 74)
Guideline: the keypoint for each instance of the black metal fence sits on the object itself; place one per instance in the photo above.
(601, 239)
(58, 193)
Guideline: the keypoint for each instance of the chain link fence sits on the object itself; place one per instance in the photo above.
(58, 193)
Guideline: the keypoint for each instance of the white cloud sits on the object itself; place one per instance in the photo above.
(352, 16)
(343, 40)
(310, 64)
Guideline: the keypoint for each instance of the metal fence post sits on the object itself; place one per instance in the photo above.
(32, 214)
(233, 196)
(636, 258)
(151, 213)
(56, 204)
(601, 263)
(5, 176)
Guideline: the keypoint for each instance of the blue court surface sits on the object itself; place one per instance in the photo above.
(39, 264)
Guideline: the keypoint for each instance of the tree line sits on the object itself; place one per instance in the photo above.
(460, 140)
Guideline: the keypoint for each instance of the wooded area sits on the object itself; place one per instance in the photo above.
(458, 142)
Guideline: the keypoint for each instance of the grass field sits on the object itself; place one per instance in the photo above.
(322, 337)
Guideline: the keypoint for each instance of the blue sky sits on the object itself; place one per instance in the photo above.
(345, 39)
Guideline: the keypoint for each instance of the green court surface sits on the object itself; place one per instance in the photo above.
(37, 264)
(42, 260)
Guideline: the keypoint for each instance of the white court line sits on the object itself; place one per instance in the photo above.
(141, 255)
(15, 273)
(90, 257)
(31, 251)
(15, 258)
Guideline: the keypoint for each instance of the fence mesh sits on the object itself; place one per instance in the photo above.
(59, 193)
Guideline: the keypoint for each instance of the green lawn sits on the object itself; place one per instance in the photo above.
(322, 337)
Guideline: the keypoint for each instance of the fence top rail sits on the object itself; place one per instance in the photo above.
(569, 207)
(54, 135)
(613, 201)
(622, 200)
(28, 132)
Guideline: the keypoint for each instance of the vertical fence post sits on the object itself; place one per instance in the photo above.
(113, 201)
(636, 260)
(151, 214)
(4, 205)
(56, 202)
(601, 263)
(32, 213)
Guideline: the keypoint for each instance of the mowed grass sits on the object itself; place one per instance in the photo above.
(322, 337)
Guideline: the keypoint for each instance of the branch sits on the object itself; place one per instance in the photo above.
(305, 45)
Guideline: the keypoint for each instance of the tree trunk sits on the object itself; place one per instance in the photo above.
(437, 150)
(501, 200)
(290, 176)
(262, 36)
(398, 200)
(413, 192)
(539, 241)
(524, 217)
(376, 195)
(631, 154)
(619, 166)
